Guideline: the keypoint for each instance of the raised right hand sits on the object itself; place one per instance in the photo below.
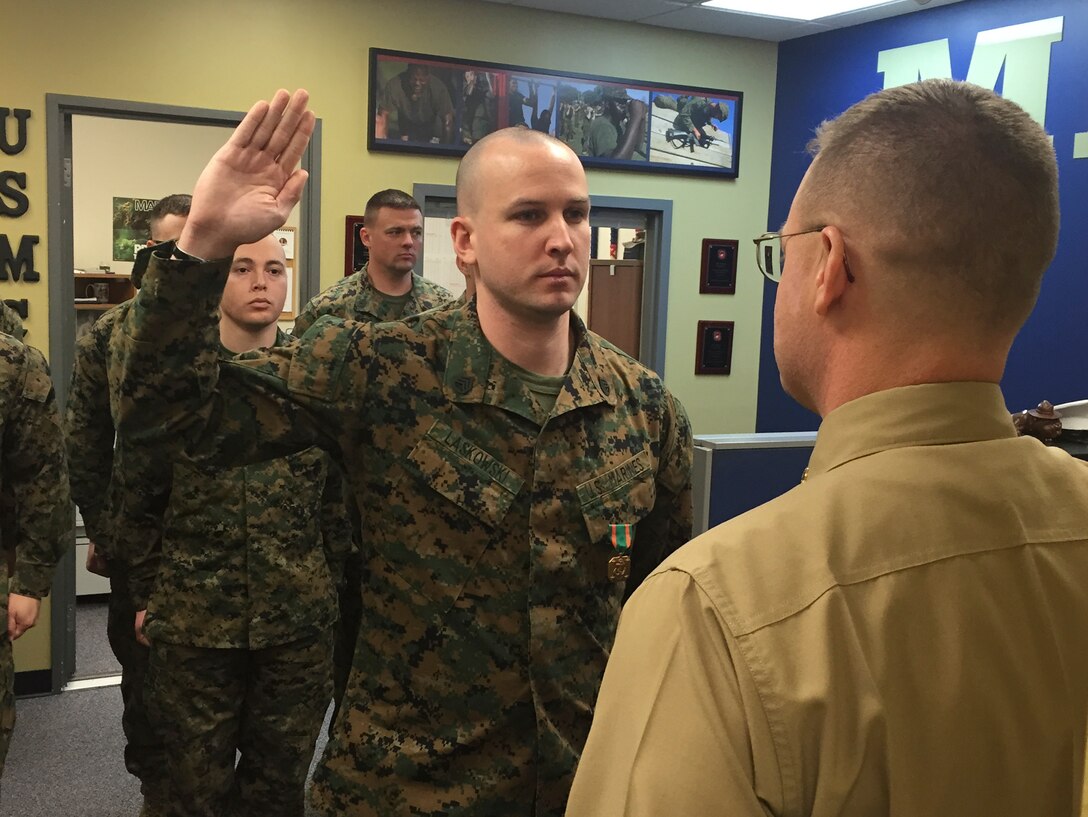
(250, 186)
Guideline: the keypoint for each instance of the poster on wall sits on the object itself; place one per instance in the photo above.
(130, 227)
(421, 103)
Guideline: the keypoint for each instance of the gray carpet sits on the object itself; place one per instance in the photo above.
(66, 758)
(93, 654)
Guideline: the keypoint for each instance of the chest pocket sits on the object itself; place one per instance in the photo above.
(622, 495)
(439, 548)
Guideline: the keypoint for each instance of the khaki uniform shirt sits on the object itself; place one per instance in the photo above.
(355, 297)
(902, 634)
(33, 473)
(487, 614)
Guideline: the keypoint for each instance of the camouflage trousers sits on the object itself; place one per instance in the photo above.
(347, 628)
(7, 694)
(145, 757)
(267, 705)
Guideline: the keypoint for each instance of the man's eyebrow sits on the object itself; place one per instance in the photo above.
(243, 258)
(541, 203)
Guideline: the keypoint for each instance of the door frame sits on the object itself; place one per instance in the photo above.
(59, 110)
(655, 283)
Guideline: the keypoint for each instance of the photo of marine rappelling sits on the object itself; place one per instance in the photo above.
(692, 130)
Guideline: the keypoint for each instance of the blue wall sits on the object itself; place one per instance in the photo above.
(822, 75)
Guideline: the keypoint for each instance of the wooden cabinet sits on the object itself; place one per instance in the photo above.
(92, 287)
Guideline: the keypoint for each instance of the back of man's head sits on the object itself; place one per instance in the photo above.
(391, 198)
(955, 192)
(176, 205)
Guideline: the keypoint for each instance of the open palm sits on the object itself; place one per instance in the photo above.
(250, 186)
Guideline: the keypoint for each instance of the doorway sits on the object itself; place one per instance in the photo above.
(631, 294)
(144, 138)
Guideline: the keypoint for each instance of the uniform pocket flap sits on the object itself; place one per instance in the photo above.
(465, 474)
(619, 496)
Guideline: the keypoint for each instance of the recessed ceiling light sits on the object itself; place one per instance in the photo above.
(795, 9)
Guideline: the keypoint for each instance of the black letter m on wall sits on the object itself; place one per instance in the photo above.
(20, 264)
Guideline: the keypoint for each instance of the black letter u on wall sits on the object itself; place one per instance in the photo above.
(21, 115)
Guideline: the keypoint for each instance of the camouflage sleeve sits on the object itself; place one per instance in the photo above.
(140, 494)
(669, 524)
(304, 320)
(36, 469)
(335, 526)
(168, 391)
(10, 322)
(90, 434)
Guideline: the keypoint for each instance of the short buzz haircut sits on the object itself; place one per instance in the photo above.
(468, 169)
(957, 189)
(176, 204)
(392, 198)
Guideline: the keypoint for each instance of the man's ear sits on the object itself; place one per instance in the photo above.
(833, 277)
(364, 236)
(461, 233)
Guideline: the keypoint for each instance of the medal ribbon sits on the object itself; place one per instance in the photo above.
(622, 537)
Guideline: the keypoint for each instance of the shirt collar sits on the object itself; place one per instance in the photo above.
(476, 373)
(928, 414)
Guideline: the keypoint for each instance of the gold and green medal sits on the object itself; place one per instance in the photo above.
(619, 566)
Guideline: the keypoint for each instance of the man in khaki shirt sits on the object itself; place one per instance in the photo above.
(905, 632)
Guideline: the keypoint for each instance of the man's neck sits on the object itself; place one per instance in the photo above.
(545, 347)
(881, 366)
(240, 339)
(389, 282)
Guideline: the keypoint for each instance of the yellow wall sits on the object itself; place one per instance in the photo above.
(225, 55)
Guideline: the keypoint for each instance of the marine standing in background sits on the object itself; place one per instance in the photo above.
(241, 597)
(34, 478)
(93, 463)
(517, 475)
(386, 289)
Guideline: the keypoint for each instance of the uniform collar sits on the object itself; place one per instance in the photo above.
(282, 339)
(929, 414)
(476, 373)
(370, 300)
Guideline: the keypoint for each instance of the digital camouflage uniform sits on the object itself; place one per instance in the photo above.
(93, 459)
(487, 611)
(241, 603)
(355, 298)
(10, 322)
(34, 472)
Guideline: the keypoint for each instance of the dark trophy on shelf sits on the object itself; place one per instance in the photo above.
(1043, 422)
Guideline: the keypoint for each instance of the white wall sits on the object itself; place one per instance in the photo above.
(131, 158)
